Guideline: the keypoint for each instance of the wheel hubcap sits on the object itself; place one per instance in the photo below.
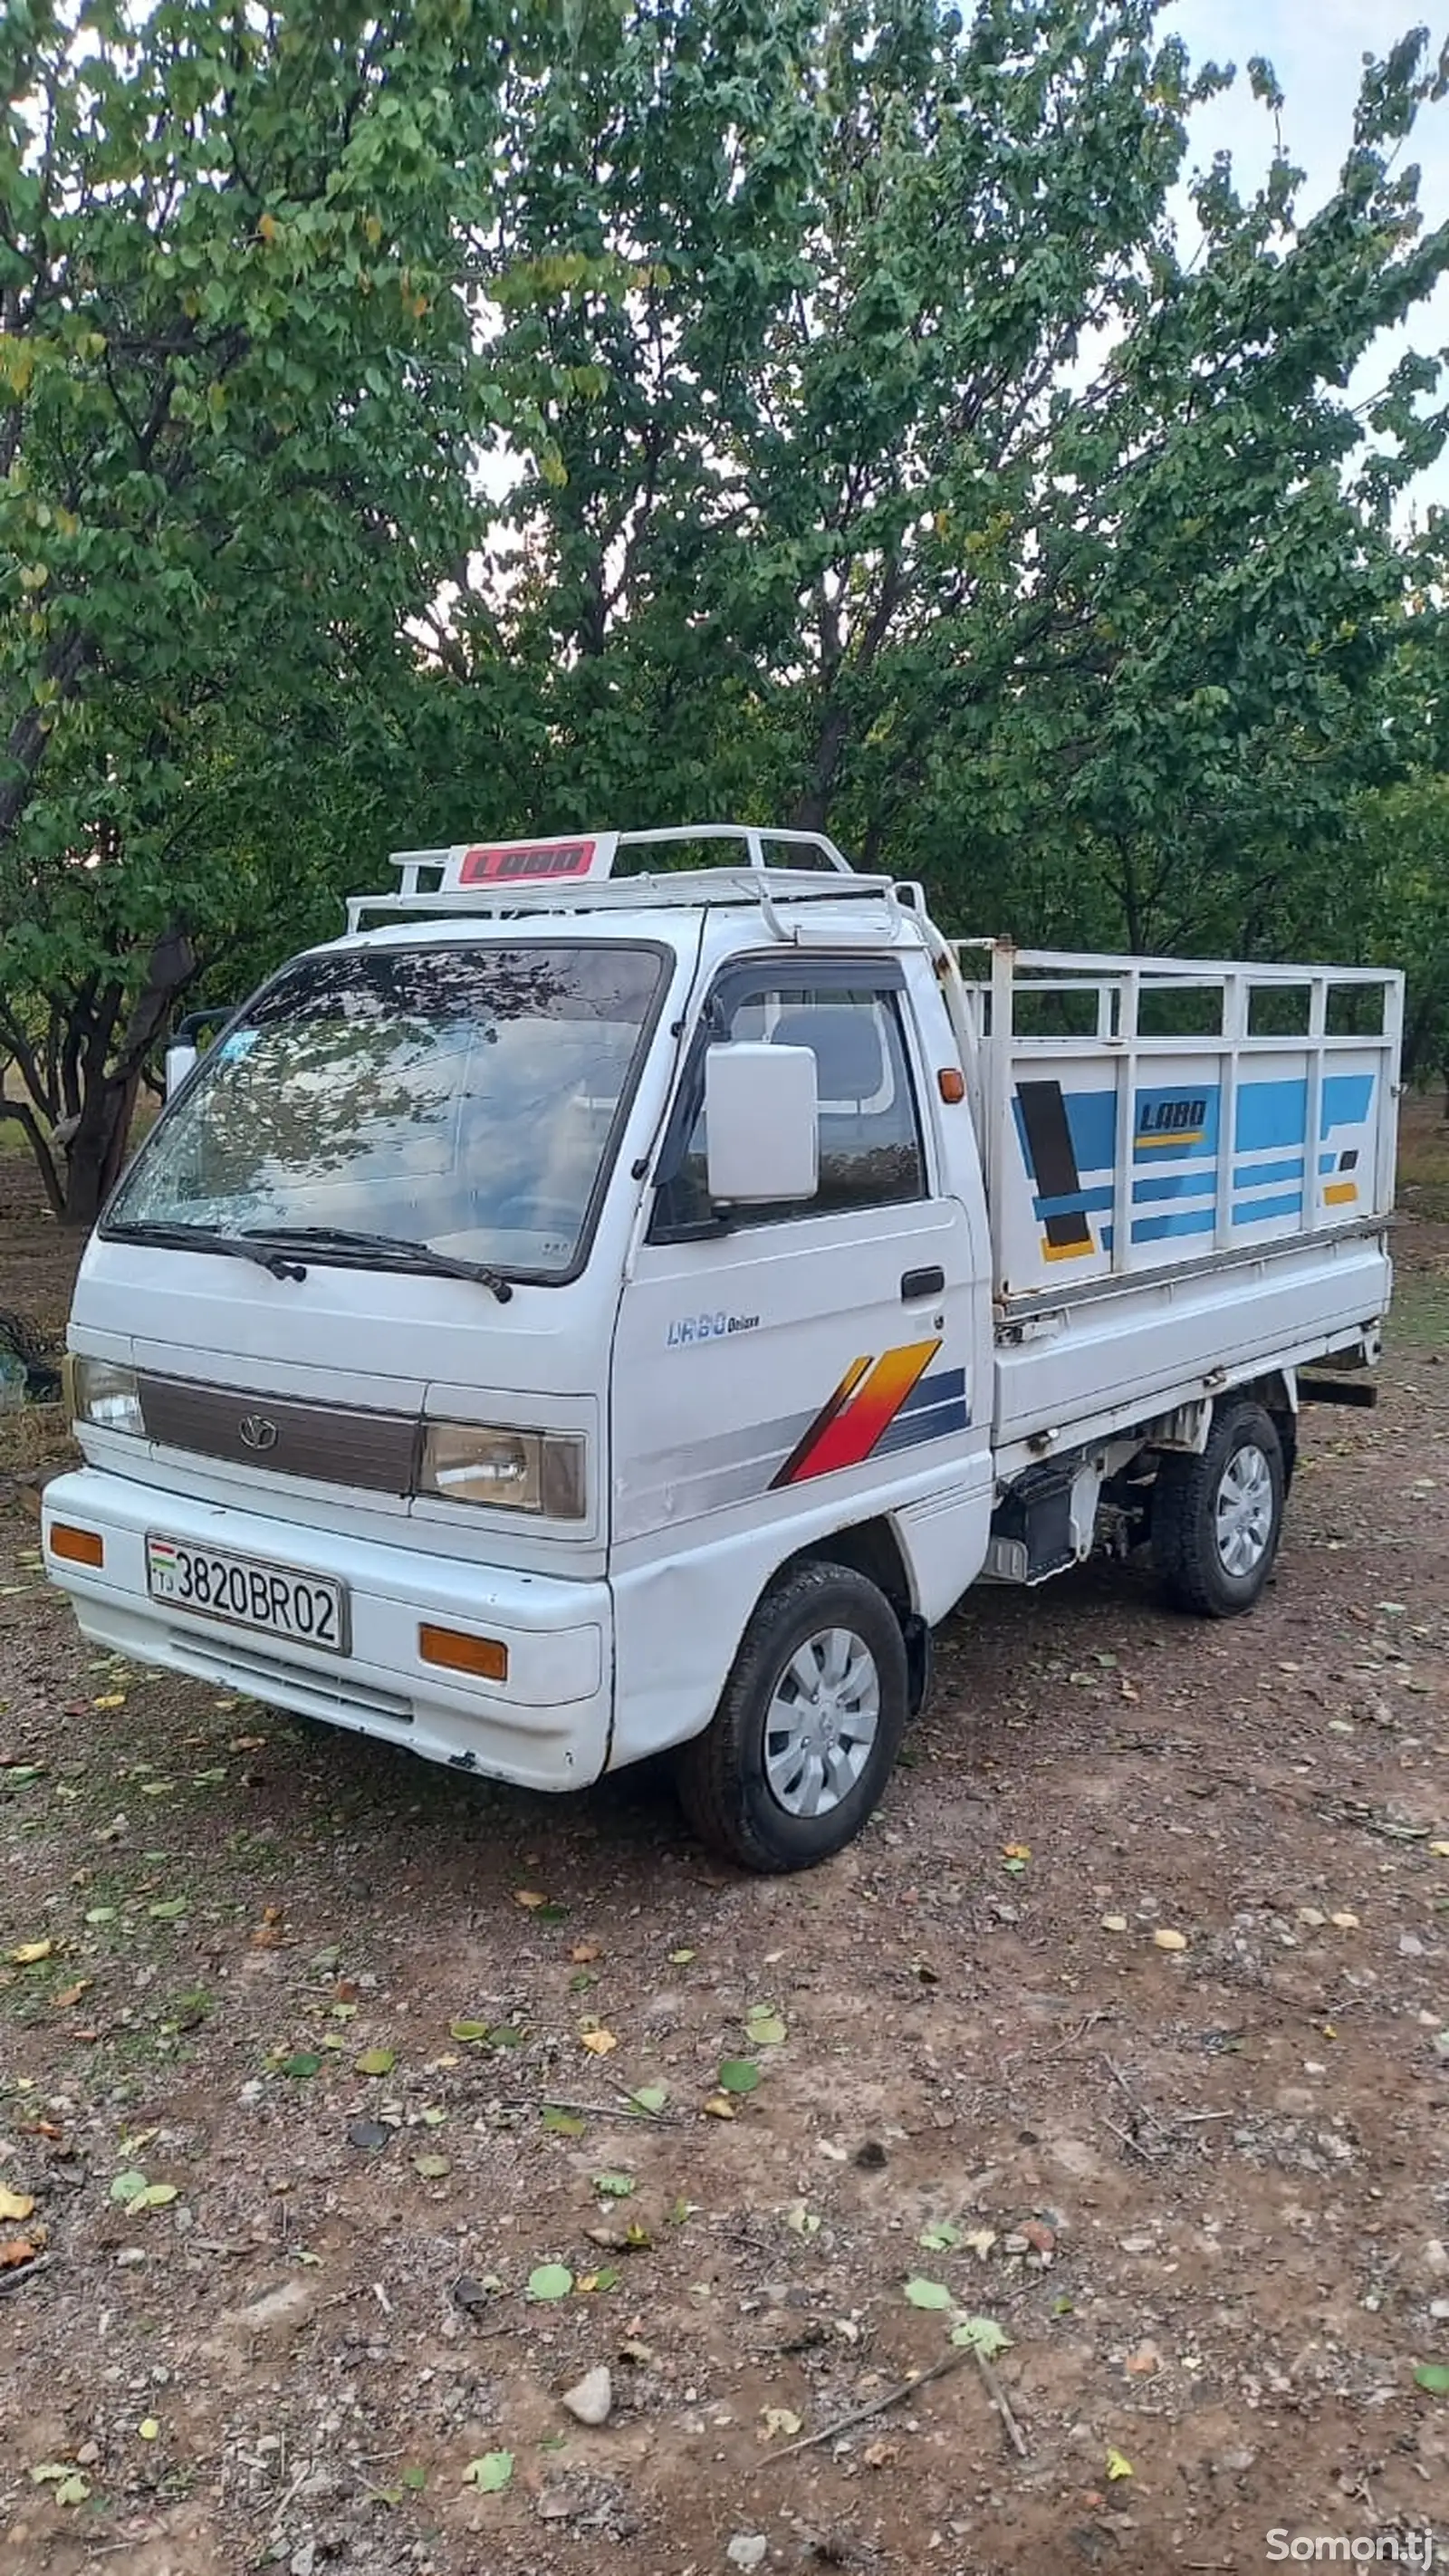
(821, 1722)
(1244, 1511)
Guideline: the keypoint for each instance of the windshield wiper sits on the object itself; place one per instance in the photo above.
(391, 1251)
(209, 1238)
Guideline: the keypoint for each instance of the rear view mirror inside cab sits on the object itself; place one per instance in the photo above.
(762, 1125)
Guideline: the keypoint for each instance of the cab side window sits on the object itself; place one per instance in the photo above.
(870, 1137)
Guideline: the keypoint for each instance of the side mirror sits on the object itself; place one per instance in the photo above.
(761, 1119)
(180, 1061)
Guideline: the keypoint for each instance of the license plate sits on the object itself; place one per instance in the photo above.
(303, 1607)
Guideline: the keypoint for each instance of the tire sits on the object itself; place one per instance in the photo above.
(767, 1792)
(1217, 1519)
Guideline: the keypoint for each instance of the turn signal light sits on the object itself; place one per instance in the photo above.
(83, 1547)
(951, 1084)
(461, 1654)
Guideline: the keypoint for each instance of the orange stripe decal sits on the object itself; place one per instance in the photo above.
(866, 1401)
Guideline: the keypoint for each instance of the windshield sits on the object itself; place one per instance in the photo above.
(462, 1099)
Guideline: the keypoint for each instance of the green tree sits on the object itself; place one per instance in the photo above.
(239, 402)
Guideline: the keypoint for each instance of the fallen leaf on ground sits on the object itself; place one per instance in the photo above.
(940, 2237)
(15, 2205)
(1433, 2378)
(614, 2186)
(778, 2420)
(720, 2107)
(71, 1994)
(148, 2428)
(598, 2042)
(1165, 1940)
(15, 2250)
(927, 2294)
(649, 2098)
(980, 2240)
(469, 2031)
(764, 2027)
(530, 1898)
(376, 2061)
(738, 2075)
(30, 1953)
(491, 2473)
(582, 1951)
(1117, 2466)
(1114, 1922)
(983, 2335)
(550, 2281)
(432, 2168)
(564, 2124)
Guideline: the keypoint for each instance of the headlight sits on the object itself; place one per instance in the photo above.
(525, 1471)
(105, 1395)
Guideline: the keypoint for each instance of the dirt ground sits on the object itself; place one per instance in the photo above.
(312, 2061)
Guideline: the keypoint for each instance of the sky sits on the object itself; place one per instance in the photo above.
(1316, 47)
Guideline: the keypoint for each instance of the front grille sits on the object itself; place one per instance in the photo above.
(377, 1451)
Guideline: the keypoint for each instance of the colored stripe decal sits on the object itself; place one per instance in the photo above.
(1054, 1164)
(1257, 1211)
(1257, 1176)
(1340, 1193)
(866, 1401)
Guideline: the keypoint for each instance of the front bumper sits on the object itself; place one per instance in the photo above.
(546, 1727)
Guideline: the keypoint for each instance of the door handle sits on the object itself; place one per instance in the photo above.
(922, 1283)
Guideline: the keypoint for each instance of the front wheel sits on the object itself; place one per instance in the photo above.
(1217, 1519)
(809, 1725)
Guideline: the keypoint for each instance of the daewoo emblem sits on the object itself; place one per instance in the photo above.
(257, 1432)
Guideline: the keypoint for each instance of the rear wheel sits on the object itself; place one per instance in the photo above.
(1217, 1519)
(808, 1727)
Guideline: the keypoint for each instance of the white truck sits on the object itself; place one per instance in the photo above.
(619, 1296)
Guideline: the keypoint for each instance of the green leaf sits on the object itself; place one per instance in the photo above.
(490, 2474)
(128, 2186)
(415, 2480)
(302, 2063)
(738, 2075)
(1433, 2376)
(614, 2186)
(940, 2238)
(564, 2124)
(375, 2061)
(764, 2028)
(927, 2294)
(157, 2195)
(432, 2168)
(170, 1910)
(983, 2335)
(72, 2489)
(550, 2281)
(649, 2098)
(468, 2031)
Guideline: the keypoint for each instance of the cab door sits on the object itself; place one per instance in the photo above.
(810, 1359)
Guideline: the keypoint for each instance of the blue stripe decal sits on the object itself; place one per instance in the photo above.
(1346, 1099)
(1076, 1204)
(1175, 1185)
(1255, 1176)
(1254, 1211)
(1149, 1229)
(935, 1407)
(1270, 1113)
(1092, 1126)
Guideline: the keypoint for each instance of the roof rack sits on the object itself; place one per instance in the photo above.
(576, 872)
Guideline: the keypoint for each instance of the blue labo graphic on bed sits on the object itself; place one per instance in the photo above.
(1069, 1145)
